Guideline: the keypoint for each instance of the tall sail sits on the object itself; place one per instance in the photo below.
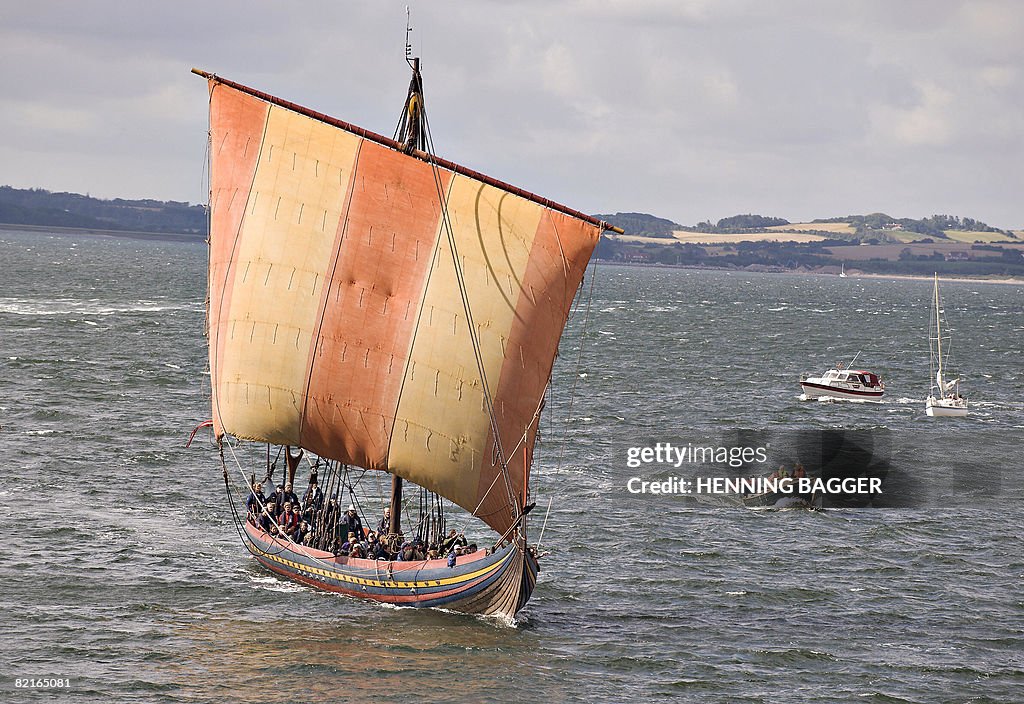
(336, 314)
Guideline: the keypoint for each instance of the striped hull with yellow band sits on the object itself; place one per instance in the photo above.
(496, 584)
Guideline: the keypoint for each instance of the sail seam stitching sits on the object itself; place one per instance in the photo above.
(415, 330)
(231, 259)
(328, 284)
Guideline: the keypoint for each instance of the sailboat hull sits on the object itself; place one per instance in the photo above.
(945, 408)
(952, 405)
(498, 584)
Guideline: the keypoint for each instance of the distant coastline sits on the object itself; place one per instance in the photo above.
(192, 238)
(876, 244)
(128, 234)
(34, 208)
(789, 272)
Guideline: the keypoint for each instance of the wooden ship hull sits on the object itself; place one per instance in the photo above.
(498, 584)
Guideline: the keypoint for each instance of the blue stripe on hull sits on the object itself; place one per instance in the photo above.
(461, 588)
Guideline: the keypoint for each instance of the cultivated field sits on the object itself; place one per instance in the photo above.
(640, 239)
(970, 236)
(734, 237)
(842, 228)
(720, 238)
(892, 252)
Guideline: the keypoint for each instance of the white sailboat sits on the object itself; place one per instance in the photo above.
(842, 271)
(944, 398)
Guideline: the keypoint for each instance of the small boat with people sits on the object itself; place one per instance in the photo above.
(781, 491)
(844, 383)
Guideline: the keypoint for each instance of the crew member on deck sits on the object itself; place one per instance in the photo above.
(454, 539)
(301, 531)
(288, 519)
(277, 498)
(254, 504)
(289, 496)
(350, 522)
(266, 521)
(384, 527)
(312, 500)
(374, 549)
(350, 542)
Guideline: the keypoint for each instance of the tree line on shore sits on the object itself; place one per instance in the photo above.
(38, 207)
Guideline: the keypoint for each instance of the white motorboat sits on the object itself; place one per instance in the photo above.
(944, 398)
(847, 384)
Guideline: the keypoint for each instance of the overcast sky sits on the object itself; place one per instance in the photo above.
(686, 109)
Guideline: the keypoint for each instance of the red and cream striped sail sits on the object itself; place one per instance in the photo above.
(336, 321)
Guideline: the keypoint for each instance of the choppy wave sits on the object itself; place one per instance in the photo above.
(71, 306)
(124, 568)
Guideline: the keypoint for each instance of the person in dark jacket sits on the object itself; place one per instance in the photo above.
(266, 520)
(290, 497)
(384, 527)
(350, 522)
(277, 498)
(312, 500)
(301, 531)
(374, 549)
(254, 504)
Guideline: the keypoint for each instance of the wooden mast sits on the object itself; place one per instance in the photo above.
(395, 525)
(410, 134)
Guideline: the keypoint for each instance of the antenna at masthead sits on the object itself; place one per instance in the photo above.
(411, 128)
(408, 31)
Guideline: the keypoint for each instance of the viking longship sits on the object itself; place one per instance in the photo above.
(375, 310)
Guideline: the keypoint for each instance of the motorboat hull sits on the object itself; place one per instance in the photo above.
(814, 389)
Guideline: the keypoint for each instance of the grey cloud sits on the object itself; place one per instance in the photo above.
(689, 110)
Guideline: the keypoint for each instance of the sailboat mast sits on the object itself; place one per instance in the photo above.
(938, 336)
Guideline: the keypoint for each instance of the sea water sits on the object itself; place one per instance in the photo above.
(124, 573)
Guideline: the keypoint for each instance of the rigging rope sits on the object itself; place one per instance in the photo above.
(576, 371)
(470, 323)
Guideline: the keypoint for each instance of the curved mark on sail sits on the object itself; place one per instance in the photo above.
(501, 237)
